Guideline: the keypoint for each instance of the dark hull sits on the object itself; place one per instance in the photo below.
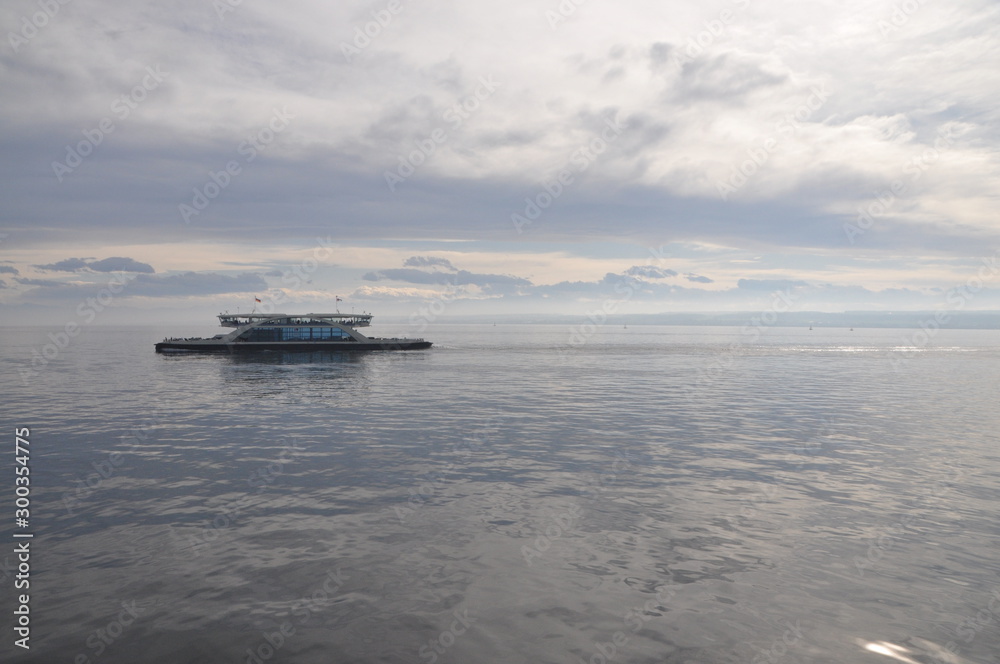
(287, 347)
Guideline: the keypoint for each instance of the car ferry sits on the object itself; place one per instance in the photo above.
(293, 333)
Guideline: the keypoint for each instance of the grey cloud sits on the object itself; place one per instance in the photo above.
(417, 116)
(659, 53)
(726, 77)
(490, 283)
(650, 272)
(120, 264)
(195, 283)
(459, 278)
(447, 74)
(48, 283)
(68, 265)
(113, 264)
(429, 261)
(409, 275)
(697, 278)
(8, 269)
(146, 285)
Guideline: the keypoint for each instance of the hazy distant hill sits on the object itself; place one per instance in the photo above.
(858, 319)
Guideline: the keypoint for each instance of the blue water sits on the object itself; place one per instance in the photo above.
(652, 494)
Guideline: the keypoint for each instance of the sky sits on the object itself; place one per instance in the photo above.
(177, 159)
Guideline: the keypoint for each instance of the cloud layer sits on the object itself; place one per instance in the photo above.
(845, 147)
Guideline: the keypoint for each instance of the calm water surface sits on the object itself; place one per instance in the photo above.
(656, 494)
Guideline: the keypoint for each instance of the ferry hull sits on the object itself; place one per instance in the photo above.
(287, 347)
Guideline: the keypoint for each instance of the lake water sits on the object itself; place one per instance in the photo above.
(652, 494)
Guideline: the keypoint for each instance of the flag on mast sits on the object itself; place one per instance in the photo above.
(256, 299)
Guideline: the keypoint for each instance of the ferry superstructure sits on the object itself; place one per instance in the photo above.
(292, 333)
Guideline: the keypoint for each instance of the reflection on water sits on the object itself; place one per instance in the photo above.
(654, 495)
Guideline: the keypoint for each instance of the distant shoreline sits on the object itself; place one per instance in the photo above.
(967, 320)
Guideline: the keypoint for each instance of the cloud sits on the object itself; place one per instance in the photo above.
(47, 283)
(68, 265)
(120, 264)
(650, 272)
(113, 264)
(727, 77)
(8, 269)
(741, 107)
(386, 293)
(188, 284)
(429, 261)
(194, 283)
(490, 283)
